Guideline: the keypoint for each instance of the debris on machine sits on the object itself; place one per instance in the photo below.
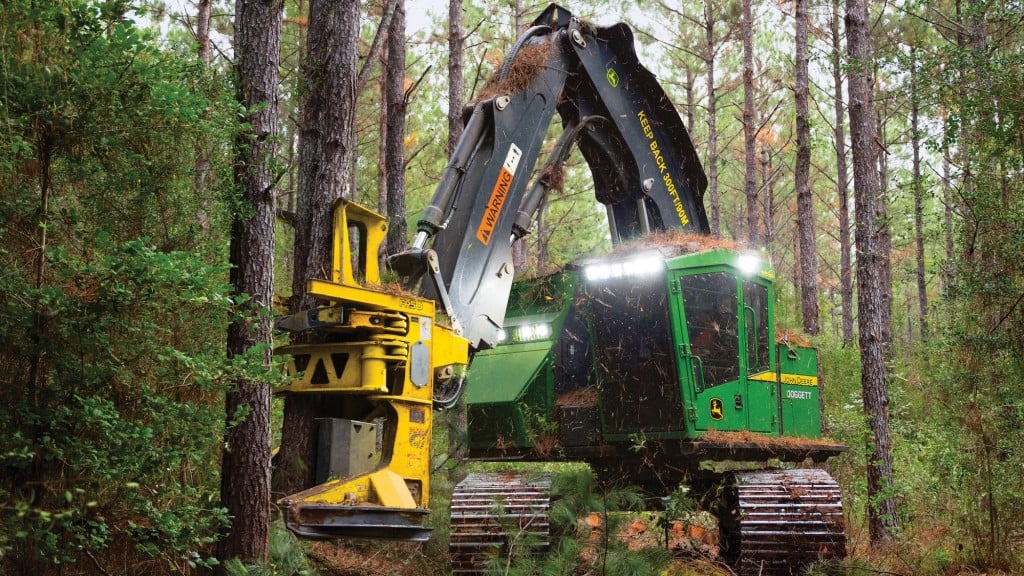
(768, 443)
(677, 242)
(526, 64)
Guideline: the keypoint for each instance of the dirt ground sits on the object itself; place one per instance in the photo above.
(694, 545)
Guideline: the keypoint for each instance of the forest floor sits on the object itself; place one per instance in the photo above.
(693, 545)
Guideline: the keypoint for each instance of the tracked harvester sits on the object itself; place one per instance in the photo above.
(657, 364)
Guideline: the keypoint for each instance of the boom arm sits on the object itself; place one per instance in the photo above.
(645, 168)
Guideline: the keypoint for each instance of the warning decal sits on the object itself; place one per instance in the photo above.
(499, 195)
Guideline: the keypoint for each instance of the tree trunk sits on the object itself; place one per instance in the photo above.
(396, 104)
(202, 165)
(749, 126)
(915, 134)
(457, 418)
(949, 272)
(454, 73)
(804, 200)
(767, 195)
(204, 8)
(382, 143)
(842, 184)
(882, 519)
(324, 159)
(884, 261)
(520, 250)
(245, 469)
(691, 102)
(712, 167)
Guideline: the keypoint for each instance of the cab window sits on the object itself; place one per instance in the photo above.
(709, 302)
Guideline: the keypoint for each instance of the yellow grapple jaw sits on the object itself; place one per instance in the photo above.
(383, 353)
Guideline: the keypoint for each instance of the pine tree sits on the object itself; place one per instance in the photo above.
(882, 520)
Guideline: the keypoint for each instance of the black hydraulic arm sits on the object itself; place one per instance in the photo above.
(644, 165)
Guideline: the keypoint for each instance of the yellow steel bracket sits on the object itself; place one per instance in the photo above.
(372, 231)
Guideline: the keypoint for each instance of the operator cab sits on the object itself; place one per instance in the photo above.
(660, 343)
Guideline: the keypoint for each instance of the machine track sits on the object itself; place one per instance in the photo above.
(493, 513)
(780, 521)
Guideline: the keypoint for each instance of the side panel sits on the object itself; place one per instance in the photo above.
(798, 373)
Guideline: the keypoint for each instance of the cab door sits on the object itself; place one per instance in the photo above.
(712, 350)
(762, 384)
(727, 353)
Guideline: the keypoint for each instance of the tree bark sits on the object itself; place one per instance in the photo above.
(202, 165)
(245, 469)
(884, 261)
(325, 156)
(882, 519)
(519, 27)
(712, 167)
(204, 8)
(842, 184)
(949, 273)
(455, 39)
(395, 149)
(691, 102)
(804, 200)
(457, 418)
(520, 251)
(915, 134)
(382, 144)
(749, 126)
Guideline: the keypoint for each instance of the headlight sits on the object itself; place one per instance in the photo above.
(541, 330)
(525, 333)
(748, 263)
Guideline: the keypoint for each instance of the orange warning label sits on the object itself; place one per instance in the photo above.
(499, 195)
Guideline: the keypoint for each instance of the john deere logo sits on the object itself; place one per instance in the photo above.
(717, 409)
(613, 77)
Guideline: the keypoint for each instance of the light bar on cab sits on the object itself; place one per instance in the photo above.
(641, 265)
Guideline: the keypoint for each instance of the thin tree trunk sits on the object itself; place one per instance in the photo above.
(804, 200)
(882, 519)
(691, 102)
(454, 73)
(396, 104)
(842, 184)
(543, 234)
(766, 193)
(245, 469)
(749, 126)
(949, 275)
(712, 167)
(884, 261)
(204, 8)
(325, 157)
(458, 417)
(382, 144)
(520, 250)
(922, 282)
(202, 164)
(963, 91)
